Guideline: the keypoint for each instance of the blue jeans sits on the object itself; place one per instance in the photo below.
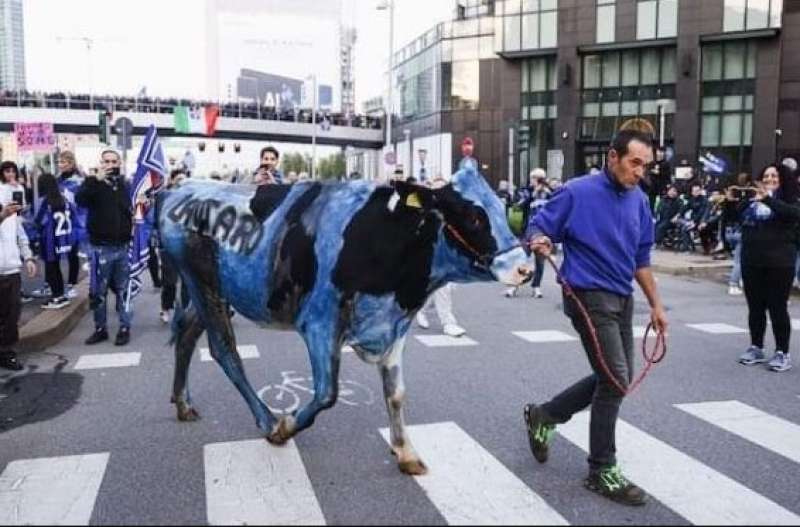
(110, 268)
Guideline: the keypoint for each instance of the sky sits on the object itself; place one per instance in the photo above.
(161, 44)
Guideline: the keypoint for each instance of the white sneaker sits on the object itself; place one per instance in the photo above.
(453, 330)
(537, 292)
(734, 290)
(71, 292)
(56, 303)
(165, 316)
(510, 292)
(422, 320)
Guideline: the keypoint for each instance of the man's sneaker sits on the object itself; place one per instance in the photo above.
(753, 355)
(123, 337)
(57, 303)
(71, 292)
(165, 316)
(99, 335)
(42, 292)
(780, 362)
(511, 292)
(734, 290)
(540, 433)
(537, 292)
(453, 330)
(609, 482)
(8, 361)
(25, 298)
(422, 320)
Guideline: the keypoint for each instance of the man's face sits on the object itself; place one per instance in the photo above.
(109, 161)
(629, 169)
(9, 175)
(672, 192)
(270, 159)
(696, 190)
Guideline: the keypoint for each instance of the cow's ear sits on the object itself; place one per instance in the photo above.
(411, 196)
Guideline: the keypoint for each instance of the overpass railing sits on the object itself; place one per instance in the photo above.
(242, 110)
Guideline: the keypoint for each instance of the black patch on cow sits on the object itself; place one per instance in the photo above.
(267, 199)
(388, 252)
(201, 256)
(295, 267)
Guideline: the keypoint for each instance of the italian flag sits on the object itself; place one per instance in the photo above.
(200, 120)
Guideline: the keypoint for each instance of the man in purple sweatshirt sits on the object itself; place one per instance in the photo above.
(606, 228)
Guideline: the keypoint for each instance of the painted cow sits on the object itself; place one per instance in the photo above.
(341, 263)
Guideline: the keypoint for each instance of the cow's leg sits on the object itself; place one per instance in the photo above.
(394, 392)
(324, 350)
(189, 328)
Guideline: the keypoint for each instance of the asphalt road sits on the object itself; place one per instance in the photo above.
(115, 454)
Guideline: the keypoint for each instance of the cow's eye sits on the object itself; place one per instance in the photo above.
(476, 220)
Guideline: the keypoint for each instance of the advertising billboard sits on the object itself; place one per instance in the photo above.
(280, 92)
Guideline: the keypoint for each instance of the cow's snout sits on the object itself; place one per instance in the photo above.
(526, 272)
(513, 268)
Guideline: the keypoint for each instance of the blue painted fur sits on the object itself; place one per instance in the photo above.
(322, 258)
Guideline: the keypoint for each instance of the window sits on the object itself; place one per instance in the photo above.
(527, 24)
(620, 85)
(538, 112)
(744, 15)
(656, 19)
(606, 18)
(726, 124)
(464, 93)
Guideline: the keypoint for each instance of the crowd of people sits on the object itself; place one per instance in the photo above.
(147, 104)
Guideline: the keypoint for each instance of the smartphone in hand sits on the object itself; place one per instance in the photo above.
(18, 197)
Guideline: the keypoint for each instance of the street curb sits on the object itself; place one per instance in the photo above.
(50, 327)
(706, 272)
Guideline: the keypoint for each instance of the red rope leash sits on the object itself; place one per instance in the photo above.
(651, 358)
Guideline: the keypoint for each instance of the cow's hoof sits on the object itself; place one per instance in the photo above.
(413, 467)
(187, 414)
(282, 432)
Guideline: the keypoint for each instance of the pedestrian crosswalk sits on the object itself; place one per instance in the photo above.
(252, 482)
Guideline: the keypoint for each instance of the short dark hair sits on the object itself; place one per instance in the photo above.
(624, 138)
(269, 149)
(110, 151)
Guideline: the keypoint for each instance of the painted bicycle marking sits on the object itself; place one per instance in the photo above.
(285, 398)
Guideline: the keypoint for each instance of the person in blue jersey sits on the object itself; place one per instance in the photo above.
(54, 222)
(606, 228)
(69, 181)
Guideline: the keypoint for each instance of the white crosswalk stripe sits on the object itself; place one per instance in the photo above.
(695, 491)
(469, 486)
(761, 428)
(245, 352)
(445, 341)
(51, 491)
(108, 360)
(253, 483)
(717, 328)
(538, 337)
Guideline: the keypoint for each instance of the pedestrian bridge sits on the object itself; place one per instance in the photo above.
(78, 121)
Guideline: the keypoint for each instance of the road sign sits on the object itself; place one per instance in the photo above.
(123, 127)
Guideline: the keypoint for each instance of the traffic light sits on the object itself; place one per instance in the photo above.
(104, 127)
(523, 137)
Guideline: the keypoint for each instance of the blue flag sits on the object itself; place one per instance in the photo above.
(149, 178)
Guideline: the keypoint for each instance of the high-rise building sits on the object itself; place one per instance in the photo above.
(548, 83)
(12, 46)
(347, 62)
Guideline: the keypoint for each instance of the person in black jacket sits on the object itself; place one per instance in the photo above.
(110, 224)
(769, 250)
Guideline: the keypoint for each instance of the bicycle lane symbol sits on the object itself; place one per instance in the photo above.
(285, 398)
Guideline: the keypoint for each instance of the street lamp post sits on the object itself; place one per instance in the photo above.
(389, 5)
(313, 78)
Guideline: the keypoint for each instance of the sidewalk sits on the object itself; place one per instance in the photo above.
(691, 264)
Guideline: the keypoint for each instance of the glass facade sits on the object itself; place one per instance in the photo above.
(656, 19)
(539, 111)
(523, 25)
(620, 85)
(606, 21)
(744, 15)
(728, 89)
(12, 45)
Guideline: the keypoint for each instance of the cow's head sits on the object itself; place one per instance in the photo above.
(478, 244)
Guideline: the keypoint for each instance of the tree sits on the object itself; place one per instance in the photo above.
(295, 162)
(332, 167)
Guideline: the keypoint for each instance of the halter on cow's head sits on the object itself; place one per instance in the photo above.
(476, 242)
